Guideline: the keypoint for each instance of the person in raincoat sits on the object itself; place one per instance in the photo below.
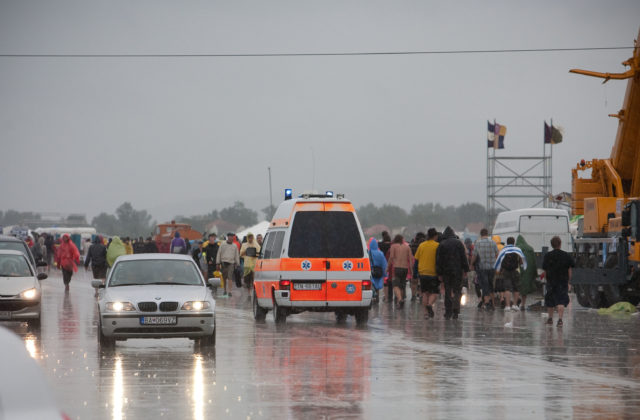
(378, 267)
(528, 275)
(116, 248)
(67, 257)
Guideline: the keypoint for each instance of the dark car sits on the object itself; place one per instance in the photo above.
(11, 242)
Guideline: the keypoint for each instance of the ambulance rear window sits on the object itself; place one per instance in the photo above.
(320, 234)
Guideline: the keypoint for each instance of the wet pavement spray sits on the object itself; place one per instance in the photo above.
(498, 365)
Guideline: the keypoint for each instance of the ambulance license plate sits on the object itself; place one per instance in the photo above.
(5, 314)
(158, 320)
(307, 286)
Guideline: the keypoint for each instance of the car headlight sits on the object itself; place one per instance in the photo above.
(120, 306)
(29, 294)
(196, 305)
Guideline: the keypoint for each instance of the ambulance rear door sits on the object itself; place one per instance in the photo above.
(347, 262)
(306, 264)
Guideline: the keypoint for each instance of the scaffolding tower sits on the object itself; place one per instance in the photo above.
(518, 181)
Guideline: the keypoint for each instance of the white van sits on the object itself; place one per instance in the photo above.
(537, 226)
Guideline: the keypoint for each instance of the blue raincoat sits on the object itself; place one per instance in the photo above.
(377, 259)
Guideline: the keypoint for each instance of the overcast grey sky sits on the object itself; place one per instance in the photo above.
(187, 135)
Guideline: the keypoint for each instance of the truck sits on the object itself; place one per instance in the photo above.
(607, 193)
(164, 233)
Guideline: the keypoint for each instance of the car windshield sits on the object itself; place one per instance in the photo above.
(141, 272)
(12, 245)
(14, 266)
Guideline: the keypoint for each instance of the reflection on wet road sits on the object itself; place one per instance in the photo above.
(400, 366)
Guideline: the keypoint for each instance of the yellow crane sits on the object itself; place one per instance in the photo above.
(607, 258)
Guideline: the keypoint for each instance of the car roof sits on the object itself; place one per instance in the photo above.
(155, 256)
(11, 252)
(7, 238)
(28, 392)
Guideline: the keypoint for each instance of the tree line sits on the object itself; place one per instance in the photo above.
(422, 215)
(128, 221)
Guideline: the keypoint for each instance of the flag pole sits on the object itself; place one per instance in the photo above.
(551, 160)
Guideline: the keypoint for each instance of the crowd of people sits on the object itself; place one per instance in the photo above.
(439, 263)
(433, 264)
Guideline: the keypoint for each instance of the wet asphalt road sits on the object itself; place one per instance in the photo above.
(400, 366)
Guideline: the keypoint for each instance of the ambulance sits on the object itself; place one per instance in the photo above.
(314, 258)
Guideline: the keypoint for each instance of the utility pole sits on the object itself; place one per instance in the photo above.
(270, 193)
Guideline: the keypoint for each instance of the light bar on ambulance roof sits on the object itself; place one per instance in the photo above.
(288, 193)
(329, 193)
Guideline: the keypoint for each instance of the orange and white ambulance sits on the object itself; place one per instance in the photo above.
(314, 258)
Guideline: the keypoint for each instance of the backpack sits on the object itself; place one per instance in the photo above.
(510, 262)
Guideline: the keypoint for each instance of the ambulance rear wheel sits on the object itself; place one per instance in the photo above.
(279, 314)
(259, 313)
(341, 317)
(362, 316)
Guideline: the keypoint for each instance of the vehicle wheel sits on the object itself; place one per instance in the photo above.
(362, 316)
(209, 341)
(259, 313)
(279, 314)
(34, 324)
(341, 317)
(581, 295)
(611, 294)
(104, 341)
(595, 297)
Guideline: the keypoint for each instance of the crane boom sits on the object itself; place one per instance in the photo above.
(618, 176)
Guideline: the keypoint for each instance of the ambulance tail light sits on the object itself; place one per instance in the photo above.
(366, 284)
(284, 285)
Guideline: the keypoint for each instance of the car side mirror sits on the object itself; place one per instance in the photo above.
(97, 284)
(42, 276)
(214, 282)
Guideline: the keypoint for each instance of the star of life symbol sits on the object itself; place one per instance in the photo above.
(306, 265)
(347, 265)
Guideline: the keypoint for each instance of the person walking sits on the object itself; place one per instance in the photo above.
(114, 250)
(211, 253)
(127, 245)
(485, 252)
(557, 266)
(401, 259)
(97, 258)
(428, 275)
(385, 245)
(378, 264)
(178, 245)
(39, 251)
(451, 266)
(413, 282)
(67, 258)
(249, 251)
(529, 274)
(150, 246)
(227, 260)
(507, 264)
(139, 247)
(49, 243)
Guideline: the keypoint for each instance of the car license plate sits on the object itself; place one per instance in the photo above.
(307, 286)
(5, 314)
(158, 320)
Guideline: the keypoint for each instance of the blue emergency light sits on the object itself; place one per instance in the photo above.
(329, 193)
(288, 193)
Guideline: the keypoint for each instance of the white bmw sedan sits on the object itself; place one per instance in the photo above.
(19, 289)
(156, 296)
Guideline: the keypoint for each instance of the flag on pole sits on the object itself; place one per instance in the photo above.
(552, 135)
(495, 135)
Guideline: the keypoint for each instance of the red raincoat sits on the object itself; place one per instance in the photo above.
(67, 255)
